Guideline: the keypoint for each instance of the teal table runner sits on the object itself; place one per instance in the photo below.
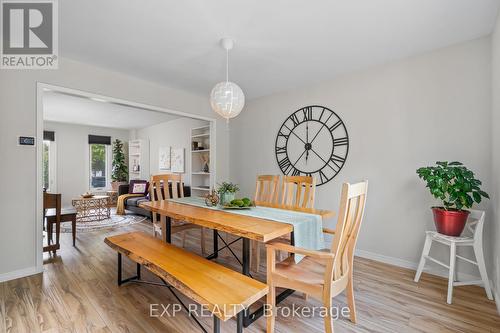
(307, 228)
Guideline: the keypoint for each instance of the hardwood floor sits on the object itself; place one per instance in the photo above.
(78, 293)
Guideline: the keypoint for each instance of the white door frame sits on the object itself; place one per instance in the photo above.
(40, 88)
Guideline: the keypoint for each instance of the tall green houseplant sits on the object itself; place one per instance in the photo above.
(120, 170)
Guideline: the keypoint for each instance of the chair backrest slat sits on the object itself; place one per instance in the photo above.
(352, 206)
(159, 188)
(52, 200)
(304, 188)
(266, 188)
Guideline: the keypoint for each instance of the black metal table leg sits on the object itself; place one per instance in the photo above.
(215, 254)
(138, 271)
(168, 222)
(119, 269)
(216, 324)
(246, 256)
(239, 322)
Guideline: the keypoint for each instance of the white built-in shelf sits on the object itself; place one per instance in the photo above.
(200, 173)
(200, 128)
(200, 151)
(200, 188)
(201, 135)
(138, 156)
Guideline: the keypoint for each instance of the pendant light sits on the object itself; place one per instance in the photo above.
(227, 98)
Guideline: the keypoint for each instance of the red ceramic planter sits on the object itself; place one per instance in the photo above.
(450, 222)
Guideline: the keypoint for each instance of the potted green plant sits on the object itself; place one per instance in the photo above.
(456, 187)
(119, 173)
(227, 192)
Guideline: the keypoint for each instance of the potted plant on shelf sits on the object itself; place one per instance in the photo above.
(456, 187)
(119, 174)
(227, 192)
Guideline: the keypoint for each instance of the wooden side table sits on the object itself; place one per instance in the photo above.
(113, 198)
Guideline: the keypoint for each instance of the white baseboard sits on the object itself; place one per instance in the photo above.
(20, 273)
(438, 271)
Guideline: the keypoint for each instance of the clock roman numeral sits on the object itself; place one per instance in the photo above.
(294, 119)
(284, 135)
(321, 115)
(340, 142)
(295, 172)
(280, 150)
(285, 165)
(322, 176)
(308, 113)
(335, 162)
(334, 126)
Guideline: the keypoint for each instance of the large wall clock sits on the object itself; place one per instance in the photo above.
(312, 141)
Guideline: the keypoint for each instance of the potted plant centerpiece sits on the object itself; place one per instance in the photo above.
(227, 192)
(456, 187)
(119, 172)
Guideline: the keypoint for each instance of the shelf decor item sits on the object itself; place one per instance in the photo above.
(227, 98)
(227, 192)
(205, 162)
(458, 189)
(212, 199)
(119, 173)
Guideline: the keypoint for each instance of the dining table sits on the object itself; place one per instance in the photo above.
(245, 227)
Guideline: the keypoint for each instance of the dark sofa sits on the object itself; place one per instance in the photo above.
(132, 204)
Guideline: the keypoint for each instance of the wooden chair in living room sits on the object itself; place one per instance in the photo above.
(52, 201)
(321, 275)
(171, 186)
(266, 193)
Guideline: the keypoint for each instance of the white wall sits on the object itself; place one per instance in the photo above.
(176, 134)
(18, 114)
(72, 158)
(494, 231)
(400, 116)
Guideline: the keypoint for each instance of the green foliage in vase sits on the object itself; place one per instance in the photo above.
(453, 184)
(227, 187)
(120, 170)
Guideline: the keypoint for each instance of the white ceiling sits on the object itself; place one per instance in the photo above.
(72, 109)
(279, 44)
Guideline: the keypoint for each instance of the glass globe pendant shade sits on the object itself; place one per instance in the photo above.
(227, 99)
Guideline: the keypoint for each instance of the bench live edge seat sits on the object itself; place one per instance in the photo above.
(221, 290)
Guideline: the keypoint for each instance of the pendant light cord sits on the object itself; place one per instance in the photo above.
(227, 65)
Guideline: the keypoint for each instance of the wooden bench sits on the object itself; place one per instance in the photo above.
(224, 292)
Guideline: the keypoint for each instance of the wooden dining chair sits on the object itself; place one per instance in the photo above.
(171, 186)
(52, 201)
(266, 189)
(298, 191)
(266, 192)
(321, 275)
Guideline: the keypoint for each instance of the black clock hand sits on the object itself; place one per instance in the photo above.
(299, 158)
(291, 132)
(323, 160)
(307, 140)
(322, 125)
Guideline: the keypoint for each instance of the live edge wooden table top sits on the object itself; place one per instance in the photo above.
(243, 226)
